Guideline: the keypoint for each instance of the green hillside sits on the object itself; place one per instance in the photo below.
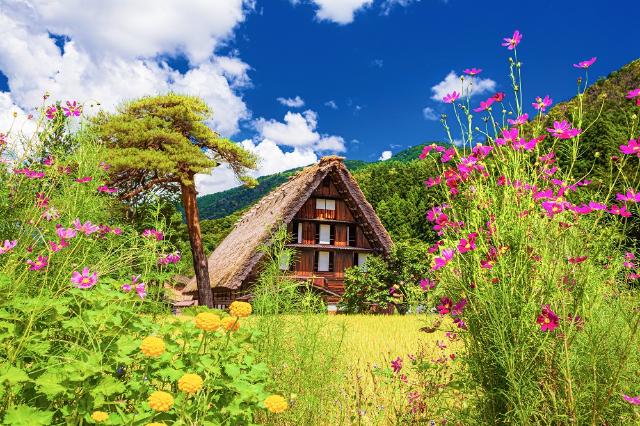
(221, 204)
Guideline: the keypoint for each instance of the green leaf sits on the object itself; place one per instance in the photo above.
(232, 370)
(108, 386)
(13, 375)
(49, 384)
(23, 415)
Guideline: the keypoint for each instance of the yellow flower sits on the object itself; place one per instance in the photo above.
(230, 323)
(207, 321)
(190, 383)
(152, 346)
(240, 309)
(156, 424)
(161, 401)
(276, 404)
(99, 416)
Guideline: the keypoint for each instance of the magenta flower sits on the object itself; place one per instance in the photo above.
(485, 105)
(633, 93)
(84, 179)
(51, 213)
(427, 284)
(106, 189)
(72, 109)
(51, 111)
(8, 246)
(153, 233)
(88, 228)
(48, 161)
(459, 307)
(169, 258)
(36, 265)
(448, 155)
(511, 43)
(559, 127)
(521, 119)
(542, 104)
(508, 136)
(631, 195)
(467, 244)
(633, 147)
(440, 262)
(631, 400)
(445, 305)
(473, 71)
(548, 319)
(585, 64)
(84, 280)
(396, 364)
(451, 97)
(576, 260)
(619, 210)
(65, 234)
(56, 247)
(522, 143)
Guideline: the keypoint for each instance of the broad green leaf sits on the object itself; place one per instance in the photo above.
(23, 415)
(108, 386)
(13, 375)
(49, 384)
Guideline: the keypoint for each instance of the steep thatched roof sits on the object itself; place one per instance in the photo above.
(238, 254)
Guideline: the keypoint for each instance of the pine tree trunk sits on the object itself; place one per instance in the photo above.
(200, 264)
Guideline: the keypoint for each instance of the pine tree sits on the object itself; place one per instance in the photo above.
(156, 146)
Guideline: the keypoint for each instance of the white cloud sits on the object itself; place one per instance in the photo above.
(338, 11)
(385, 155)
(452, 82)
(379, 63)
(114, 49)
(429, 114)
(331, 104)
(296, 102)
(388, 5)
(280, 146)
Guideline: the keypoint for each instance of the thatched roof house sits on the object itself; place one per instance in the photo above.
(325, 211)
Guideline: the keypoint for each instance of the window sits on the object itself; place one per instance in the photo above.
(325, 204)
(323, 261)
(351, 235)
(324, 234)
(296, 232)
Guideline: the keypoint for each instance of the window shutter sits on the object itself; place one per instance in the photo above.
(316, 239)
(332, 234)
(324, 258)
(324, 234)
(315, 261)
(295, 231)
(299, 236)
(330, 269)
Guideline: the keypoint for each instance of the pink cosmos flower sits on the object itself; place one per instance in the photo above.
(523, 144)
(631, 400)
(51, 213)
(56, 247)
(445, 305)
(106, 189)
(585, 64)
(576, 260)
(473, 71)
(84, 179)
(498, 97)
(430, 182)
(65, 234)
(8, 246)
(448, 155)
(427, 284)
(633, 147)
(72, 109)
(41, 200)
(521, 119)
(631, 195)
(511, 43)
(542, 104)
(440, 262)
(169, 258)
(48, 161)
(508, 136)
(481, 151)
(141, 291)
(485, 105)
(88, 228)
(153, 233)
(467, 244)
(84, 280)
(51, 111)
(633, 93)
(105, 166)
(428, 148)
(36, 265)
(548, 319)
(396, 364)
(451, 97)
(619, 210)
(459, 307)
(552, 207)
(563, 130)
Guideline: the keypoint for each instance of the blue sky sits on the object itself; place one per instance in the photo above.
(364, 69)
